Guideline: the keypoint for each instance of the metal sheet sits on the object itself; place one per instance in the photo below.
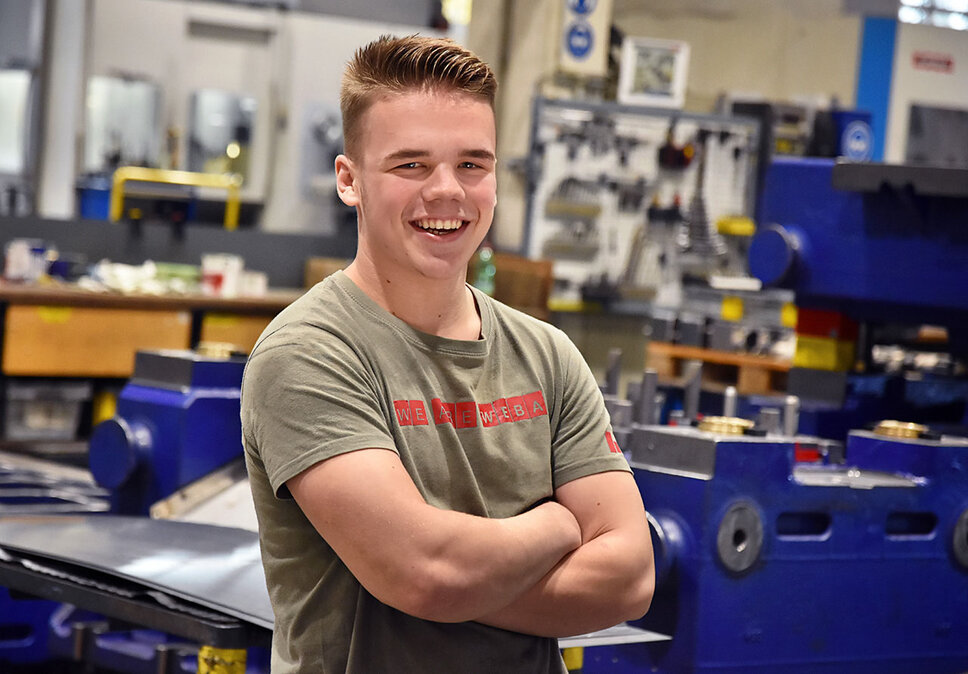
(620, 634)
(216, 567)
(31, 486)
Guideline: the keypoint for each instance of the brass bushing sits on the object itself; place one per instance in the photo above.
(899, 429)
(725, 425)
(216, 350)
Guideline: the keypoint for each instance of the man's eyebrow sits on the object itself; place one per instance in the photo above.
(402, 155)
(479, 154)
(409, 154)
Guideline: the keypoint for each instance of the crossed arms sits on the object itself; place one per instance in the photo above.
(576, 564)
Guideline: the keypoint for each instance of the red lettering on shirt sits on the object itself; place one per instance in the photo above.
(443, 412)
(503, 413)
(489, 415)
(465, 414)
(402, 408)
(612, 444)
(535, 403)
(418, 412)
(518, 408)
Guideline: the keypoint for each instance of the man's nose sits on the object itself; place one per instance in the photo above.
(443, 183)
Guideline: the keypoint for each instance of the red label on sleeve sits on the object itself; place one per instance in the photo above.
(612, 444)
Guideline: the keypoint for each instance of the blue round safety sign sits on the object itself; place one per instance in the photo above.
(582, 6)
(579, 39)
(857, 141)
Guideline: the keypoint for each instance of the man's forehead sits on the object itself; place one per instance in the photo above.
(402, 125)
(428, 99)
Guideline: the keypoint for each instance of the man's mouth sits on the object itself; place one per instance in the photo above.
(439, 227)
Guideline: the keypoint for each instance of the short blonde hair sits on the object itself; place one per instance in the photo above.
(400, 64)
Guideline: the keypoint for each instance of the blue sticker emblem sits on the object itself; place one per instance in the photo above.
(579, 39)
(582, 6)
(857, 141)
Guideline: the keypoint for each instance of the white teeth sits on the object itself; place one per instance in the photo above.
(439, 224)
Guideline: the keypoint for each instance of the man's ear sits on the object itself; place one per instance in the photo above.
(346, 181)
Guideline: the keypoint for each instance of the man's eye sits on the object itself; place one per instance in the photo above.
(409, 165)
(468, 165)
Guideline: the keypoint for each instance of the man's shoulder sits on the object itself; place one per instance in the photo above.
(320, 311)
(524, 325)
(508, 314)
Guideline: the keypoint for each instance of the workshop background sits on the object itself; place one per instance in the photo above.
(750, 215)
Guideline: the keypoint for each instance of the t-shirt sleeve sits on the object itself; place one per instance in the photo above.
(302, 405)
(582, 440)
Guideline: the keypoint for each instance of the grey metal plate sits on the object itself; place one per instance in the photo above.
(620, 634)
(216, 567)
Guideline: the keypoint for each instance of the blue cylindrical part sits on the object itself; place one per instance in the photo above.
(668, 543)
(773, 255)
(116, 448)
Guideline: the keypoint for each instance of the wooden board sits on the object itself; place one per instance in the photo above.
(750, 374)
(241, 331)
(86, 342)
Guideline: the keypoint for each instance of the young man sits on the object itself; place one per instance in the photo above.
(435, 479)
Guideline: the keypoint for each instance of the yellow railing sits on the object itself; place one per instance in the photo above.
(230, 182)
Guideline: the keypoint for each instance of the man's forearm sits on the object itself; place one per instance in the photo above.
(429, 562)
(478, 565)
(606, 581)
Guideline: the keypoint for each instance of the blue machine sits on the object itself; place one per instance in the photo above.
(885, 245)
(177, 420)
(777, 551)
(878, 242)
(23, 629)
(792, 554)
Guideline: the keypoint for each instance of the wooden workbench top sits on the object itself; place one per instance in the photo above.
(66, 295)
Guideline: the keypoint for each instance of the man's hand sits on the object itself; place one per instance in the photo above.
(608, 580)
(431, 563)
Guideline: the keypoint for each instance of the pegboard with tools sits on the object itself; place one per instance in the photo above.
(628, 201)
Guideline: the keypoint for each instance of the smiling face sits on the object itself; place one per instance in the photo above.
(423, 183)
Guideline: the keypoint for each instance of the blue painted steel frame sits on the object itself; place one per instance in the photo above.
(23, 629)
(875, 73)
(882, 256)
(852, 599)
(192, 433)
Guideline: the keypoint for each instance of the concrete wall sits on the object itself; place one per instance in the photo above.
(781, 49)
(21, 25)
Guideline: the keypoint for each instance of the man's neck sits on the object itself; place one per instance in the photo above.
(445, 307)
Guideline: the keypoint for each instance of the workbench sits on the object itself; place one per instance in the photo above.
(62, 331)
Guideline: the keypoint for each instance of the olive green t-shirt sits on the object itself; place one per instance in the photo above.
(487, 427)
